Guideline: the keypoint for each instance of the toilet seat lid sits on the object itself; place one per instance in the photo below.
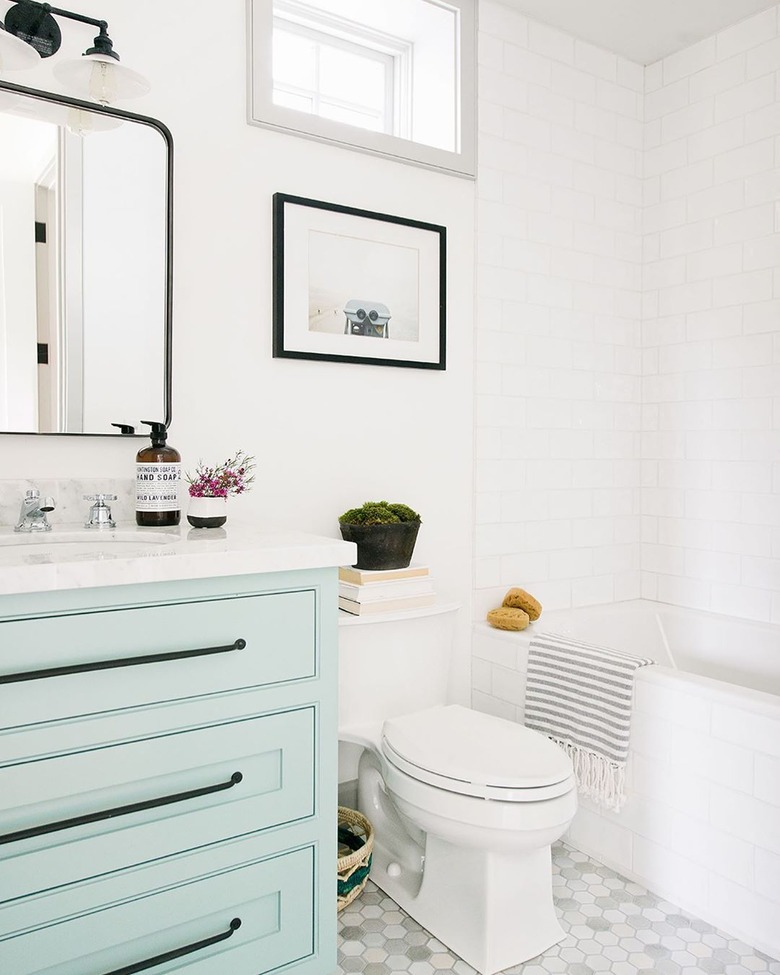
(477, 754)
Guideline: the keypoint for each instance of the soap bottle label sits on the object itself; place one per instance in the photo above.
(157, 487)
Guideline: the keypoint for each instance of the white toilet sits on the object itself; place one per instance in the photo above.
(465, 806)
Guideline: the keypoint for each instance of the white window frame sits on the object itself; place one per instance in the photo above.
(390, 52)
(262, 110)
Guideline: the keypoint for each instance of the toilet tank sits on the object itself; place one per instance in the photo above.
(393, 665)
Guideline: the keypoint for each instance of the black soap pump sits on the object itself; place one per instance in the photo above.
(157, 481)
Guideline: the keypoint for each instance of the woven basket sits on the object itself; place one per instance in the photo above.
(356, 835)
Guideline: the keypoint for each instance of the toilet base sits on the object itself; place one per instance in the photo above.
(493, 910)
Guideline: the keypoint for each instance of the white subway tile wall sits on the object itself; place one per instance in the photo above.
(628, 349)
(711, 379)
(559, 325)
(703, 815)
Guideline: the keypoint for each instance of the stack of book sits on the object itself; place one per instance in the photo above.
(366, 591)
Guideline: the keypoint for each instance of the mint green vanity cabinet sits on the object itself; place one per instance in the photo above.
(168, 777)
(271, 897)
(202, 637)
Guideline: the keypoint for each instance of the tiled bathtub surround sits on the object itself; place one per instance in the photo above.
(601, 184)
(701, 826)
(558, 338)
(629, 236)
(711, 329)
(612, 925)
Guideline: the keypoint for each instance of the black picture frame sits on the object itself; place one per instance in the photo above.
(320, 249)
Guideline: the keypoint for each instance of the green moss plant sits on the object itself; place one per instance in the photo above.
(379, 513)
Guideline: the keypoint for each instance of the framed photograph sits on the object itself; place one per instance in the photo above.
(356, 286)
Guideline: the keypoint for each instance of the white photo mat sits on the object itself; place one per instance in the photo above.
(357, 286)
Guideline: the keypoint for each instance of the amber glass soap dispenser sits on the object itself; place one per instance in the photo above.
(157, 481)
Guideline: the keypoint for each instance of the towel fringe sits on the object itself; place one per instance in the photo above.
(597, 777)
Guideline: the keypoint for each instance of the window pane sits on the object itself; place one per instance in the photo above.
(348, 77)
(295, 60)
(403, 69)
(352, 116)
(290, 99)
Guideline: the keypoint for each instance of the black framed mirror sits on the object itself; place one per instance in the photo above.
(86, 266)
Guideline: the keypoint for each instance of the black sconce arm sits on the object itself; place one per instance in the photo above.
(70, 14)
(34, 23)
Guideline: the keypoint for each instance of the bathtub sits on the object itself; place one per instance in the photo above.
(701, 825)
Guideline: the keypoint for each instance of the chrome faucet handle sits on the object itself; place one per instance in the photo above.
(100, 513)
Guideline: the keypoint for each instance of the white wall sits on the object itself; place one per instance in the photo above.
(711, 415)
(327, 435)
(25, 149)
(18, 338)
(559, 472)
(558, 340)
(28, 147)
(123, 207)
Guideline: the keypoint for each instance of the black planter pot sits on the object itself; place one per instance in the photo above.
(382, 546)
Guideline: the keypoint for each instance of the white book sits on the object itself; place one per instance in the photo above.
(359, 577)
(375, 591)
(386, 605)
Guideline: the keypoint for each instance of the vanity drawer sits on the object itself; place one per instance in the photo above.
(87, 813)
(62, 665)
(195, 923)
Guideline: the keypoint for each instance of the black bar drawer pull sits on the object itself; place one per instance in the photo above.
(151, 658)
(133, 807)
(143, 966)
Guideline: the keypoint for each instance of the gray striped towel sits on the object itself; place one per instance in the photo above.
(581, 696)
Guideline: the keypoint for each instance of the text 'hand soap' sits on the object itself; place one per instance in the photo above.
(157, 481)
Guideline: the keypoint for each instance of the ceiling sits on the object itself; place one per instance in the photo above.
(641, 30)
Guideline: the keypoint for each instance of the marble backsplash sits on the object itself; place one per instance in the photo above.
(71, 508)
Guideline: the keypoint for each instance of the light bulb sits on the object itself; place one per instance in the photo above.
(100, 77)
(102, 83)
(81, 122)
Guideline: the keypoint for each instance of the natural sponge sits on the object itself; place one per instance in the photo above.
(520, 599)
(508, 618)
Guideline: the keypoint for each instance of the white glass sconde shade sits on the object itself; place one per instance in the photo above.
(16, 54)
(8, 102)
(100, 78)
(82, 122)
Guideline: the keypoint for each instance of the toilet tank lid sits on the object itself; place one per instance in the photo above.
(470, 746)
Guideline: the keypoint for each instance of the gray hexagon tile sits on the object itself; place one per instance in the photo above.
(612, 925)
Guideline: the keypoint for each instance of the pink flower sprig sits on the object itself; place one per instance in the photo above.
(230, 478)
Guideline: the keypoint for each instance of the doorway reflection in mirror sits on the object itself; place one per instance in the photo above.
(82, 269)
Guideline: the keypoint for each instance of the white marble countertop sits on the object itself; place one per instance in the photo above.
(71, 557)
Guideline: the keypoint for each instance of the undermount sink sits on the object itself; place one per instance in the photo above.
(68, 546)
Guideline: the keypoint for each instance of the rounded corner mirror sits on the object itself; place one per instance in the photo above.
(85, 266)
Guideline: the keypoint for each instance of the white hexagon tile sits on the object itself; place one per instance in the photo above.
(612, 925)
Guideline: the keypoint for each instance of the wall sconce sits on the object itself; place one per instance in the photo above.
(31, 32)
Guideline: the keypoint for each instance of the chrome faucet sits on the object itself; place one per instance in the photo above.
(32, 516)
(100, 513)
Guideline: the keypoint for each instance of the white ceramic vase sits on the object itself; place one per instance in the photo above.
(207, 512)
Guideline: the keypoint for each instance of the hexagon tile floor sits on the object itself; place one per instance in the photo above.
(612, 925)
